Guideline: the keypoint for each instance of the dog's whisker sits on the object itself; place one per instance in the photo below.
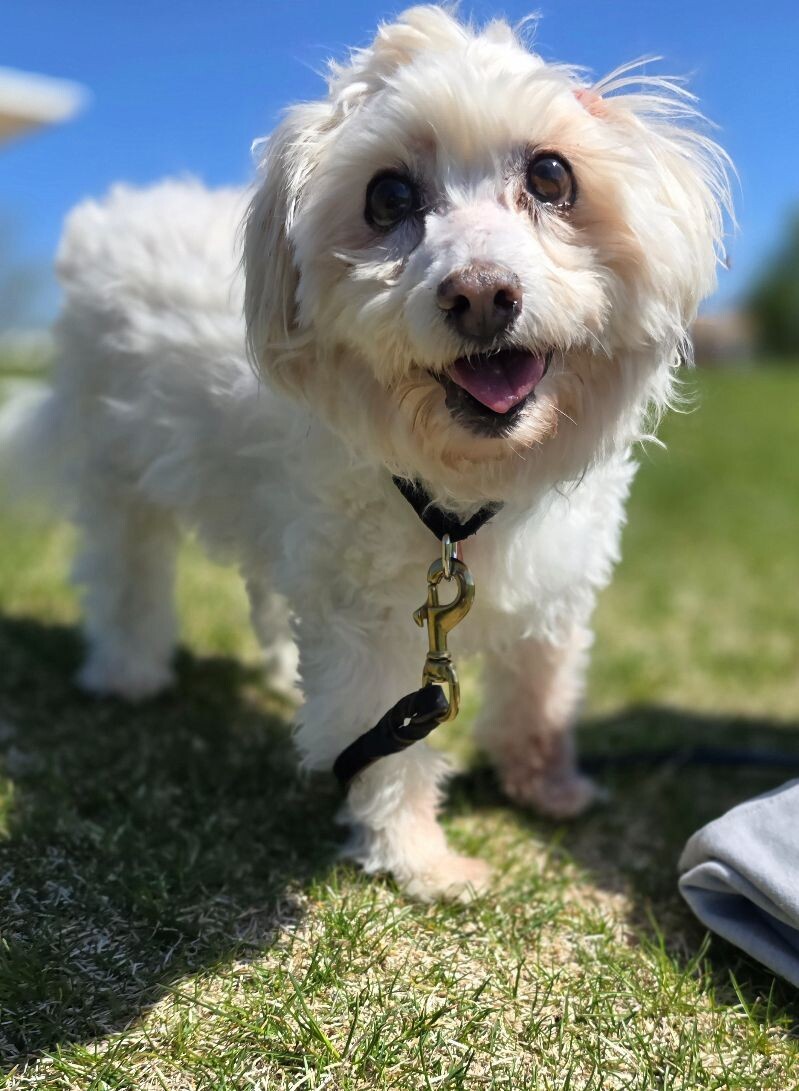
(562, 413)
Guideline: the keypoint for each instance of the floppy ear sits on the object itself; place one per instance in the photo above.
(271, 277)
(290, 155)
(691, 177)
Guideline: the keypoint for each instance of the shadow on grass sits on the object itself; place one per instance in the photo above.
(631, 843)
(147, 843)
(143, 843)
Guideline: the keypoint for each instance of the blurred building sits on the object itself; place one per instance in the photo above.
(725, 338)
(28, 102)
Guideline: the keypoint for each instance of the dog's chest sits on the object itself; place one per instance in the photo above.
(353, 546)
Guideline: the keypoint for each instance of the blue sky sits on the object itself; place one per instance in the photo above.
(184, 87)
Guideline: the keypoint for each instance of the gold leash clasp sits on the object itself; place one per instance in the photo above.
(440, 619)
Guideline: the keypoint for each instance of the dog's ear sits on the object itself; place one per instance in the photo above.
(694, 189)
(687, 170)
(287, 161)
(417, 30)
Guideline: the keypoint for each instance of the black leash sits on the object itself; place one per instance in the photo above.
(713, 757)
(413, 717)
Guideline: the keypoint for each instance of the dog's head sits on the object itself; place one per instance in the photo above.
(472, 265)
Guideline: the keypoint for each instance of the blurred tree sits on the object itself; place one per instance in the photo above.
(774, 302)
(20, 283)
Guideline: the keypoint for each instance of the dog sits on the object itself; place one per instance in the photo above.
(463, 268)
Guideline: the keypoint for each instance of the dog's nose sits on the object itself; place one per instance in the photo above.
(482, 299)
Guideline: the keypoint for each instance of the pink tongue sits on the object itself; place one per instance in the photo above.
(499, 381)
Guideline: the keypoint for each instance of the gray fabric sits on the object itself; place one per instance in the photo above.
(740, 876)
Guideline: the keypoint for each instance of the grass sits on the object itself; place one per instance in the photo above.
(172, 912)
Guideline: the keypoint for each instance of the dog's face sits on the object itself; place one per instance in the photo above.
(462, 256)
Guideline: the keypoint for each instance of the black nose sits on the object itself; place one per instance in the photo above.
(482, 299)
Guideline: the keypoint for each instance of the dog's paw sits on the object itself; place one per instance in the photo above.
(560, 797)
(285, 686)
(281, 674)
(449, 878)
(132, 681)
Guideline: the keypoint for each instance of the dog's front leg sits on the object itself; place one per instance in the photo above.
(392, 806)
(532, 693)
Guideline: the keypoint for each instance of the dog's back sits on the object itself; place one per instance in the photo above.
(150, 323)
(151, 404)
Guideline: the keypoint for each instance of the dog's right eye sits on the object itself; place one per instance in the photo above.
(390, 199)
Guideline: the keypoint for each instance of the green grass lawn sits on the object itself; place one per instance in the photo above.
(172, 912)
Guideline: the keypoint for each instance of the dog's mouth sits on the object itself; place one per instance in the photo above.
(487, 393)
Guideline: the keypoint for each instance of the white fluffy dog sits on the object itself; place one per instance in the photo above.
(463, 266)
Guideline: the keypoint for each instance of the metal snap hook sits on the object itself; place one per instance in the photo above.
(440, 619)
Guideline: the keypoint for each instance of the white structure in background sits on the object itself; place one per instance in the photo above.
(723, 339)
(27, 102)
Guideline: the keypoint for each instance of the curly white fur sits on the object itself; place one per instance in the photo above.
(157, 419)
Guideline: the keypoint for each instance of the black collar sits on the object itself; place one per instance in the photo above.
(439, 521)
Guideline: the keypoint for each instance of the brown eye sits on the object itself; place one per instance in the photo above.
(390, 199)
(550, 180)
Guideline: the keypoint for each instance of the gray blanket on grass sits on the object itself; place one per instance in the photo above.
(740, 876)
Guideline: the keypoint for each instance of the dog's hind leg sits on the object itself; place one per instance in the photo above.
(125, 565)
(532, 694)
(271, 621)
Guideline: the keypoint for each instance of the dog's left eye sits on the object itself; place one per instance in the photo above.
(550, 180)
(390, 199)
